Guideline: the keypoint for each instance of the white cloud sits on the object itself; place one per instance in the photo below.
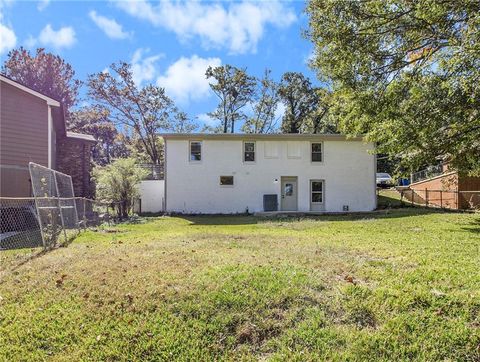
(239, 27)
(42, 4)
(110, 27)
(61, 38)
(143, 69)
(310, 57)
(280, 111)
(207, 120)
(8, 39)
(185, 79)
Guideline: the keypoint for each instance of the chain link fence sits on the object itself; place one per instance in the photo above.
(22, 226)
(19, 225)
(26, 233)
(52, 216)
(54, 201)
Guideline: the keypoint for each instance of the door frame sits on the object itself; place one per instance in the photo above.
(282, 180)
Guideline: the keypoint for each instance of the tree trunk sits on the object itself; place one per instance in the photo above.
(124, 209)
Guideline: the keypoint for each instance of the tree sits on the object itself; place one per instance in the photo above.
(234, 88)
(182, 123)
(146, 110)
(405, 73)
(263, 118)
(44, 72)
(319, 119)
(305, 109)
(95, 121)
(117, 184)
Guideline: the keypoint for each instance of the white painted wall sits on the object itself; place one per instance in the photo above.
(193, 187)
(152, 193)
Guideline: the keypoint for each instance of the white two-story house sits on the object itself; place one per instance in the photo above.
(237, 173)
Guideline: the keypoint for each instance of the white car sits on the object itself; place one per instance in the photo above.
(384, 179)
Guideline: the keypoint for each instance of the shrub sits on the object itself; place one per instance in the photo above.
(117, 183)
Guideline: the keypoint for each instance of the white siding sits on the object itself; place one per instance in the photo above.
(152, 195)
(193, 187)
(271, 149)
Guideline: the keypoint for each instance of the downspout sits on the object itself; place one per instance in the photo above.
(164, 175)
(50, 127)
(84, 171)
(375, 174)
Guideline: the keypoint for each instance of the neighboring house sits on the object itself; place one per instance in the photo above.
(32, 129)
(231, 173)
(441, 186)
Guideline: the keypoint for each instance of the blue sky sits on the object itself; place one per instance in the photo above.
(169, 43)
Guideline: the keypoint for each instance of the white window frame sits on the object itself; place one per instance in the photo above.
(322, 153)
(317, 192)
(254, 152)
(190, 151)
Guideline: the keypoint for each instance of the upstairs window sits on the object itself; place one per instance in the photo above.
(195, 151)
(317, 154)
(249, 152)
(226, 180)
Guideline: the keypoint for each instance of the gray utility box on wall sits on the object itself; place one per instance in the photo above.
(270, 202)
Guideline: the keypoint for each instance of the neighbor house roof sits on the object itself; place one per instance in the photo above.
(81, 136)
(261, 136)
(58, 114)
(50, 101)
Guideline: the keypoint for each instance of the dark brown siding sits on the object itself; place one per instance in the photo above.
(15, 182)
(23, 138)
(24, 127)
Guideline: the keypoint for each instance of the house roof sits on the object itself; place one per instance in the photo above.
(50, 101)
(260, 136)
(81, 136)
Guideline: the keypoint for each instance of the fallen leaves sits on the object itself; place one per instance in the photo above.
(59, 281)
(350, 279)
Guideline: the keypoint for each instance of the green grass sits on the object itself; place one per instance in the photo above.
(400, 285)
(390, 198)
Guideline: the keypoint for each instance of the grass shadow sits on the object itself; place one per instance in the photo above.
(386, 201)
(37, 253)
(220, 219)
(473, 227)
(226, 220)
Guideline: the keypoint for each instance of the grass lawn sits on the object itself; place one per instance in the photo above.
(388, 198)
(403, 285)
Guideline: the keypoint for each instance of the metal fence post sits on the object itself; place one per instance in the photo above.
(441, 199)
(60, 208)
(84, 218)
(426, 197)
